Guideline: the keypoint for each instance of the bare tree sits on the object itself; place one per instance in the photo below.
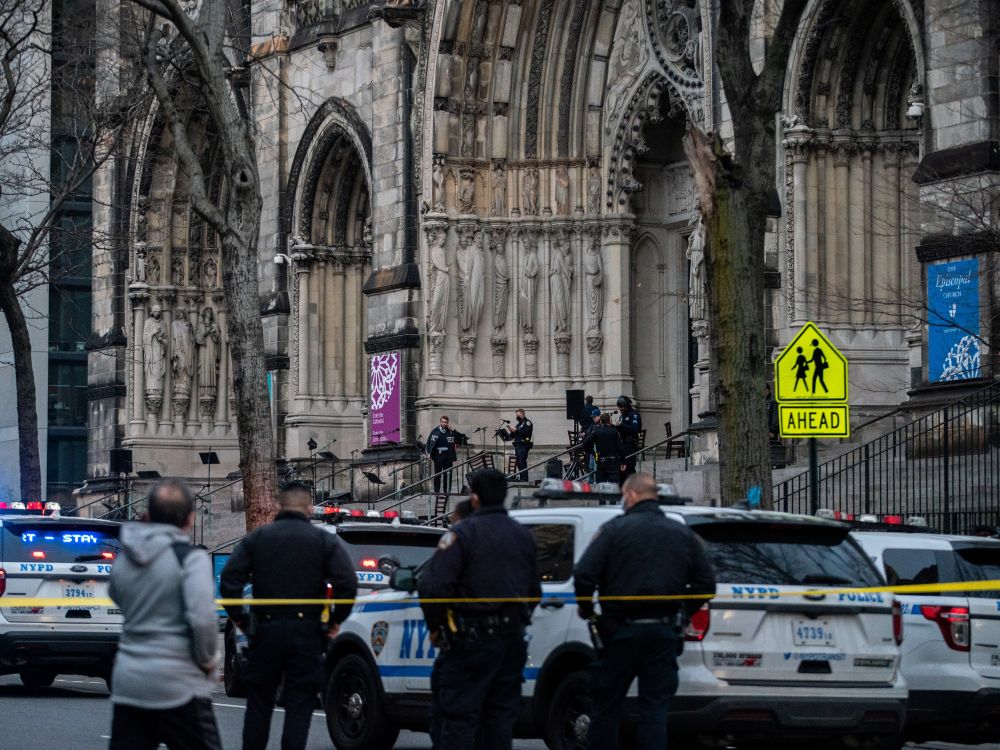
(733, 192)
(189, 53)
(53, 138)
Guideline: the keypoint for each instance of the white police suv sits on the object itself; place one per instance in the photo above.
(951, 655)
(56, 558)
(766, 659)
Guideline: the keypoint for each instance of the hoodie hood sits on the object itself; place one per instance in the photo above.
(144, 542)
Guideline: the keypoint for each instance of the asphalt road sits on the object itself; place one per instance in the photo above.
(76, 713)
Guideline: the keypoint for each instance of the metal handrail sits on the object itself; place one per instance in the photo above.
(424, 479)
(198, 495)
(957, 402)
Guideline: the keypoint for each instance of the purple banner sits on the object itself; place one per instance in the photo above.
(384, 381)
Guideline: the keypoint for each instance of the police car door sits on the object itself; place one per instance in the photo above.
(557, 542)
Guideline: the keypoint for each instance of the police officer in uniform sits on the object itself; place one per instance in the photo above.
(605, 444)
(287, 559)
(641, 553)
(629, 427)
(481, 646)
(441, 447)
(520, 434)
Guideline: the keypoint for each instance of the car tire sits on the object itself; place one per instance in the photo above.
(232, 675)
(355, 714)
(568, 721)
(37, 678)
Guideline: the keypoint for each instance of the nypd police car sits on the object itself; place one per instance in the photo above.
(770, 656)
(49, 557)
(951, 655)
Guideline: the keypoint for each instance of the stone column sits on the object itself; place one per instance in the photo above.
(873, 265)
(796, 145)
(223, 391)
(353, 366)
(848, 268)
(337, 319)
(302, 305)
(617, 331)
(139, 296)
(893, 266)
(322, 304)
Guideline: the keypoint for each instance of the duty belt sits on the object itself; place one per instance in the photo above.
(488, 624)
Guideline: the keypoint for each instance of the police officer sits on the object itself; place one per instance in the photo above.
(629, 427)
(520, 434)
(287, 559)
(605, 444)
(641, 553)
(587, 413)
(441, 447)
(482, 651)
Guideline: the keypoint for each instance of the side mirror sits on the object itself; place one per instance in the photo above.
(402, 579)
(388, 564)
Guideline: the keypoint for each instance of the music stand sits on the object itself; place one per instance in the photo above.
(376, 480)
(208, 458)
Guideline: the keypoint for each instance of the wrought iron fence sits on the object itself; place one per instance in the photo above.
(944, 466)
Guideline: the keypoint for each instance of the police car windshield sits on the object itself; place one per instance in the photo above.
(786, 555)
(979, 564)
(409, 550)
(70, 542)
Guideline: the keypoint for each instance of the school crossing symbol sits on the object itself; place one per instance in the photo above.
(810, 386)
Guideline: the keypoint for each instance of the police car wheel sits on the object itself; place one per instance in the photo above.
(569, 719)
(37, 678)
(355, 717)
(232, 677)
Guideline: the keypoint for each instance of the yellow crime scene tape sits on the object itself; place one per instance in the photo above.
(750, 593)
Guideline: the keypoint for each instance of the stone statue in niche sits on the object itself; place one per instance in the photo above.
(470, 279)
(140, 263)
(440, 281)
(437, 177)
(560, 281)
(594, 189)
(562, 191)
(177, 272)
(696, 269)
(529, 191)
(593, 268)
(467, 191)
(211, 273)
(181, 360)
(153, 269)
(501, 284)
(527, 295)
(154, 350)
(499, 190)
(207, 338)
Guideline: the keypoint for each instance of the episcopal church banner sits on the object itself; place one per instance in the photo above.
(953, 345)
(384, 385)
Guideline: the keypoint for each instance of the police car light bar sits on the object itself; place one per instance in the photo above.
(566, 489)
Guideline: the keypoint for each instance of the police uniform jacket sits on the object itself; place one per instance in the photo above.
(441, 444)
(289, 559)
(521, 433)
(643, 553)
(605, 441)
(630, 427)
(487, 555)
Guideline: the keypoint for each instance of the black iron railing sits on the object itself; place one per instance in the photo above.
(944, 466)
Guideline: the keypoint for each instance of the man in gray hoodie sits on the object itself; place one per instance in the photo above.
(162, 679)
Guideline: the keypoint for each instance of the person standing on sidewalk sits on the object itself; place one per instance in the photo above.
(164, 671)
(287, 559)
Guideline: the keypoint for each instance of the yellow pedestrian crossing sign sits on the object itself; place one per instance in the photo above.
(811, 387)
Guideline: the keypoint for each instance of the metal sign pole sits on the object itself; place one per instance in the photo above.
(813, 477)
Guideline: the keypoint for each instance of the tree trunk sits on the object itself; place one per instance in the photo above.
(734, 216)
(24, 373)
(246, 336)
